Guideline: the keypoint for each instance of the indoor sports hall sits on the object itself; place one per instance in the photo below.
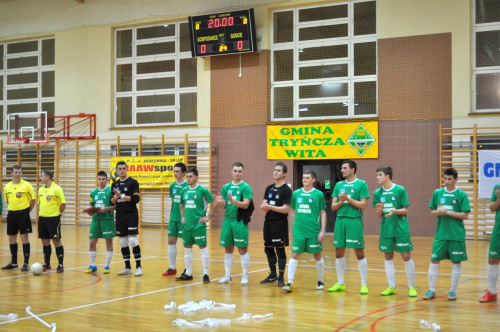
(409, 84)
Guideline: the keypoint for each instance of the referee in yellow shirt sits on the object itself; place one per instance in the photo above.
(52, 205)
(20, 196)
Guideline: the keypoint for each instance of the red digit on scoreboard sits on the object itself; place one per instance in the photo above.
(239, 45)
(217, 22)
(224, 21)
(203, 48)
(230, 21)
(210, 24)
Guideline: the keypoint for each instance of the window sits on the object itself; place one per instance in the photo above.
(324, 62)
(486, 72)
(155, 76)
(27, 77)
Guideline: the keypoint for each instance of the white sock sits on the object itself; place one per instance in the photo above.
(390, 272)
(172, 255)
(109, 255)
(228, 263)
(433, 275)
(205, 259)
(292, 266)
(340, 267)
(188, 260)
(363, 270)
(245, 262)
(455, 276)
(410, 272)
(92, 255)
(492, 278)
(320, 267)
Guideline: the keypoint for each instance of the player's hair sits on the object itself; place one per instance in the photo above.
(48, 173)
(192, 170)
(182, 166)
(387, 170)
(310, 172)
(352, 164)
(451, 171)
(102, 173)
(283, 165)
(237, 164)
(15, 167)
(121, 162)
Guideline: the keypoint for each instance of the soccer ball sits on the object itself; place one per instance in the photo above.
(36, 268)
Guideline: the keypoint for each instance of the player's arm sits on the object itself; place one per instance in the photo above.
(321, 235)
(213, 208)
(62, 207)
(181, 209)
(240, 204)
(496, 204)
(32, 204)
(401, 211)
(136, 195)
(336, 203)
(361, 204)
(457, 215)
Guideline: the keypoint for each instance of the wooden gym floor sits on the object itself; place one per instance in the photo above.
(76, 301)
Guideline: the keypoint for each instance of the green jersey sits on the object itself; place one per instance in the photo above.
(394, 198)
(449, 228)
(307, 206)
(195, 203)
(99, 199)
(175, 194)
(496, 228)
(356, 190)
(239, 191)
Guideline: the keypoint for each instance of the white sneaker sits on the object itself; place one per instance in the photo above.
(138, 272)
(244, 280)
(225, 280)
(125, 271)
(320, 285)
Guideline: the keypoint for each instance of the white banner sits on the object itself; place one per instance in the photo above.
(489, 171)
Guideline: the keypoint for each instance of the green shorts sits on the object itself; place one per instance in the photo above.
(195, 235)
(398, 244)
(348, 233)
(102, 229)
(309, 245)
(494, 251)
(455, 251)
(233, 233)
(175, 229)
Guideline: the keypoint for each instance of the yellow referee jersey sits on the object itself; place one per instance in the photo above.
(50, 199)
(19, 195)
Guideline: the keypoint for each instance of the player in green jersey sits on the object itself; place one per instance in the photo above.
(309, 223)
(349, 199)
(494, 251)
(391, 205)
(103, 223)
(194, 203)
(174, 224)
(235, 195)
(451, 207)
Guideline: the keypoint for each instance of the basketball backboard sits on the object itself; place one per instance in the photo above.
(27, 128)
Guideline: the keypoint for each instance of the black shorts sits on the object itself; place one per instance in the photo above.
(49, 227)
(276, 233)
(19, 221)
(127, 224)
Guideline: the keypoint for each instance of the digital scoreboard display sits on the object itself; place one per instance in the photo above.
(223, 33)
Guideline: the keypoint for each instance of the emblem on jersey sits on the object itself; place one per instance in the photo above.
(382, 199)
(270, 195)
(126, 189)
(195, 196)
(238, 192)
(299, 200)
(96, 197)
(454, 201)
(48, 198)
(393, 198)
(186, 196)
(310, 200)
(18, 195)
(353, 191)
(104, 197)
(442, 200)
(277, 196)
(175, 191)
(229, 192)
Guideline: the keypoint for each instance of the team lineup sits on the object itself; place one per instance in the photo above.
(114, 213)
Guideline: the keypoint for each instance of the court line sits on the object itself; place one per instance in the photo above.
(119, 299)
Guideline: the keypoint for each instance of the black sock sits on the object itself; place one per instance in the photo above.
(281, 260)
(60, 254)
(26, 253)
(271, 259)
(137, 255)
(13, 253)
(126, 256)
(47, 251)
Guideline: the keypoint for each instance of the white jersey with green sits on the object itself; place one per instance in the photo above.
(100, 198)
(393, 198)
(356, 190)
(175, 194)
(239, 192)
(307, 206)
(449, 228)
(195, 201)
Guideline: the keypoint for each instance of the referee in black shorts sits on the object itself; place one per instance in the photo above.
(20, 198)
(126, 196)
(276, 205)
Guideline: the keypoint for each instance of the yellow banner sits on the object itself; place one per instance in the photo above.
(150, 172)
(353, 140)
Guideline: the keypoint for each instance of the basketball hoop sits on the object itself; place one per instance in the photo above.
(19, 141)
